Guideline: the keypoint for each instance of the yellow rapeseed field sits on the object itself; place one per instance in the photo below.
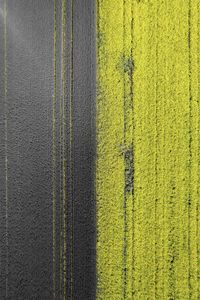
(147, 169)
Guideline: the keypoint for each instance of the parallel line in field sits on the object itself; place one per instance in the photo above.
(54, 156)
(6, 136)
(71, 149)
(64, 204)
(198, 178)
(190, 141)
(198, 191)
(125, 197)
(194, 147)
